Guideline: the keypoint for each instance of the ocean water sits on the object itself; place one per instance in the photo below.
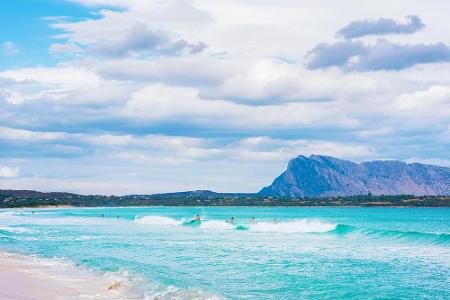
(310, 253)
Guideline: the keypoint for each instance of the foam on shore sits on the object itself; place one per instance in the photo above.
(30, 277)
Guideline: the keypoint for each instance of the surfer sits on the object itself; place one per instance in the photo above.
(198, 218)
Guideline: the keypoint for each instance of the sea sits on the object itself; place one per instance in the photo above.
(286, 253)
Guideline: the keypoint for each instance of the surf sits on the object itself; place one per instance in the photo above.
(396, 235)
(297, 226)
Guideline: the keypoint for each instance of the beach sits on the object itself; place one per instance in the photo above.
(27, 277)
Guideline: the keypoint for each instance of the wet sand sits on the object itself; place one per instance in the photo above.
(24, 277)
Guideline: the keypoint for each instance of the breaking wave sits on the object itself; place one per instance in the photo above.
(213, 224)
(158, 220)
(424, 237)
(299, 226)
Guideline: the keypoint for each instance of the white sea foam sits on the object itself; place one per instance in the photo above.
(298, 226)
(6, 215)
(174, 293)
(17, 229)
(158, 220)
(81, 281)
(215, 224)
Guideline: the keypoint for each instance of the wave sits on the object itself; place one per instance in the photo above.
(172, 292)
(4, 215)
(216, 224)
(299, 226)
(424, 237)
(16, 230)
(158, 220)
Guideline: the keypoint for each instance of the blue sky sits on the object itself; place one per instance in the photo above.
(130, 96)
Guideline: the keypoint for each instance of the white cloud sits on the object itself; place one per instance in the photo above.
(9, 48)
(273, 81)
(63, 77)
(65, 84)
(16, 98)
(424, 99)
(430, 104)
(121, 3)
(161, 102)
(22, 134)
(60, 48)
(268, 149)
(197, 70)
(7, 172)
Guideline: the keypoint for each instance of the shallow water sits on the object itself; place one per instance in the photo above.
(311, 253)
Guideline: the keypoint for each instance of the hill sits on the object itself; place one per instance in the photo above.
(326, 176)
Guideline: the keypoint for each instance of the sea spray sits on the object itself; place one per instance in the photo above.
(158, 220)
(394, 235)
(216, 224)
(298, 226)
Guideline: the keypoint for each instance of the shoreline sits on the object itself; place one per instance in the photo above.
(233, 206)
(31, 277)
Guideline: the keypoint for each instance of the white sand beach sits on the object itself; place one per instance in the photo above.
(31, 278)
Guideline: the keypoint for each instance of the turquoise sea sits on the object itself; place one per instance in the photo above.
(310, 253)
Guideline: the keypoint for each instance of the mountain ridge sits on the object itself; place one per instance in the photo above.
(328, 176)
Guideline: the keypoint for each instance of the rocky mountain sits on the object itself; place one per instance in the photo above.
(323, 176)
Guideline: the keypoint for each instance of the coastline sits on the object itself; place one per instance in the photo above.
(230, 206)
(30, 277)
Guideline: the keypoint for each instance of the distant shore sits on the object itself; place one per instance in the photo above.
(34, 199)
(27, 277)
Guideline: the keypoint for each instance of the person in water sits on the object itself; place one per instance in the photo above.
(198, 218)
(253, 220)
(275, 221)
(231, 220)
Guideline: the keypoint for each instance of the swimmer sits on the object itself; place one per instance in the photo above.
(198, 218)
(275, 221)
(231, 220)
(253, 220)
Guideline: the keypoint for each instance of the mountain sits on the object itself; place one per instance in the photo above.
(325, 176)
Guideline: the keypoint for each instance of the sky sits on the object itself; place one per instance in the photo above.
(136, 97)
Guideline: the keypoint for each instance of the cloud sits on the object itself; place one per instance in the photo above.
(326, 55)
(166, 149)
(72, 85)
(383, 55)
(273, 82)
(169, 104)
(192, 70)
(7, 172)
(17, 98)
(9, 48)
(433, 102)
(7, 133)
(141, 40)
(118, 3)
(380, 26)
(59, 48)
